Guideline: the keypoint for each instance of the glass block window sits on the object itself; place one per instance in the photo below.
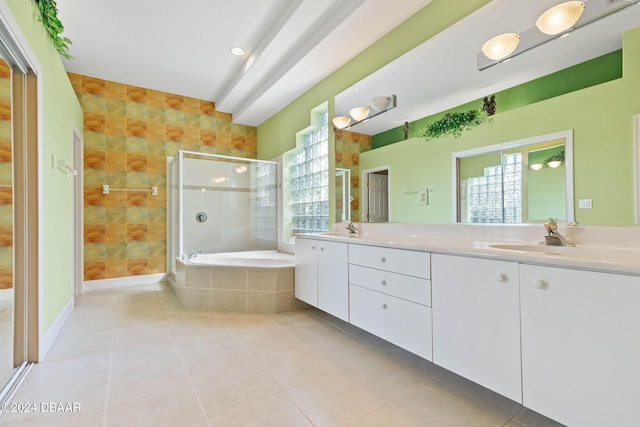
(266, 201)
(309, 174)
(496, 197)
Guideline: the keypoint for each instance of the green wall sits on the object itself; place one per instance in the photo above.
(589, 73)
(60, 114)
(601, 117)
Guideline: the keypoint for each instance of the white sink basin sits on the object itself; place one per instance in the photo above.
(550, 250)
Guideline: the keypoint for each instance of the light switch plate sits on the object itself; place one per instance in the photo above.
(585, 204)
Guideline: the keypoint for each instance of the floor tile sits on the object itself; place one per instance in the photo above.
(439, 404)
(274, 411)
(133, 356)
(333, 401)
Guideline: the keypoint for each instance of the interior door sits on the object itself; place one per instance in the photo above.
(378, 191)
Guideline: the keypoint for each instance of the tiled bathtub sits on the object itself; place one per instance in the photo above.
(258, 282)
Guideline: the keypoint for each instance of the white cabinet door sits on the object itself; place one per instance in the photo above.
(476, 321)
(581, 345)
(306, 271)
(401, 322)
(333, 279)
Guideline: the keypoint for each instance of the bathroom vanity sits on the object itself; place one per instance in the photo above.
(551, 328)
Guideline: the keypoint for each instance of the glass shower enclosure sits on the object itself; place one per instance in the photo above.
(219, 204)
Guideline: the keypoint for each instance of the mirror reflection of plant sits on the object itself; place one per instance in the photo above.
(49, 17)
(453, 124)
(556, 157)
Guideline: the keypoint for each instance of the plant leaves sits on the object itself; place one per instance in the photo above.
(453, 124)
(49, 18)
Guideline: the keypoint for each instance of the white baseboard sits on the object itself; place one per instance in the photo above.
(47, 340)
(92, 285)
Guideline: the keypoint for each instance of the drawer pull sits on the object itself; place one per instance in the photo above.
(540, 284)
(321, 249)
(502, 278)
(384, 283)
(383, 259)
(384, 306)
(313, 248)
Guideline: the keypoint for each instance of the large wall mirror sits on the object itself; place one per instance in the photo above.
(527, 180)
(424, 182)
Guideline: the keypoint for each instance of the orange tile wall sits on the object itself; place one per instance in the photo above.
(128, 133)
(6, 179)
(349, 145)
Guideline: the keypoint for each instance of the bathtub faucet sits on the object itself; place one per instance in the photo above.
(191, 255)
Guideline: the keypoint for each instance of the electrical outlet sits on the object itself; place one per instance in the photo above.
(585, 204)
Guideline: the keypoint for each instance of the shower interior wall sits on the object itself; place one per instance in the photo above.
(237, 197)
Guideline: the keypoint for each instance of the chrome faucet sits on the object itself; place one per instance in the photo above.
(352, 228)
(191, 255)
(553, 236)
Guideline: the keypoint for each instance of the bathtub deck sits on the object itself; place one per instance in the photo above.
(256, 287)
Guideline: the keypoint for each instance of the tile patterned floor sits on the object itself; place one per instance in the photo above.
(132, 356)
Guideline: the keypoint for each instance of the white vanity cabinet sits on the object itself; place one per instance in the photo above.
(390, 295)
(581, 345)
(476, 321)
(321, 275)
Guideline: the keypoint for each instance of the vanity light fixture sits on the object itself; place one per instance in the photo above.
(554, 163)
(536, 166)
(560, 18)
(341, 122)
(556, 22)
(501, 46)
(241, 169)
(359, 113)
(380, 104)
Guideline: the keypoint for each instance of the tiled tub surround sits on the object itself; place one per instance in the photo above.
(128, 133)
(255, 282)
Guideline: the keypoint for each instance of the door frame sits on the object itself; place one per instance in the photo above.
(78, 213)
(27, 185)
(364, 190)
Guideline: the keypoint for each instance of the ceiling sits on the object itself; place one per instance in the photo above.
(183, 47)
(442, 73)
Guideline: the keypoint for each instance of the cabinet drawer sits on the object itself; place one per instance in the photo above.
(399, 285)
(403, 323)
(411, 263)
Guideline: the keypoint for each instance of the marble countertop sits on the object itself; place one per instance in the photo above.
(625, 260)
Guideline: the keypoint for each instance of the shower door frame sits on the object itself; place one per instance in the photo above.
(180, 164)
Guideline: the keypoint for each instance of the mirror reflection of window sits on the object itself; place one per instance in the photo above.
(496, 196)
(518, 182)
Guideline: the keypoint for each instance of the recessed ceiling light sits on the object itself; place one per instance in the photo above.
(237, 50)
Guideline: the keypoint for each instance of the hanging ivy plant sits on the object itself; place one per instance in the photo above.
(453, 124)
(50, 20)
